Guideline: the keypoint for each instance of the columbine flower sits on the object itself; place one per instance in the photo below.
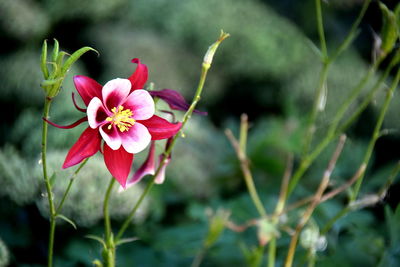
(122, 115)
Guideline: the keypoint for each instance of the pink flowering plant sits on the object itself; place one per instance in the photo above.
(121, 122)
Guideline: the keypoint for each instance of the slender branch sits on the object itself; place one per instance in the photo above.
(368, 153)
(107, 224)
(330, 194)
(46, 111)
(331, 133)
(367, 100)
(109, 252)
(279, 207)
(320, 25)
(71, 181)
(376, 133)
(309, 158)
(316, 200)
(248, 177)
(352, 32)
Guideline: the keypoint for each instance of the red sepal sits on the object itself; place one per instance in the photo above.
(160, 128)
(118, 162)
(87, 145)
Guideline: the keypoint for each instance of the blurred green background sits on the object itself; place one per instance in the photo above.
(267, 69)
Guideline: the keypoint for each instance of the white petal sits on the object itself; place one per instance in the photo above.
(136, 138)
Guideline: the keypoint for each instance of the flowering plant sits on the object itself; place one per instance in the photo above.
(121, 114)
(121, 122)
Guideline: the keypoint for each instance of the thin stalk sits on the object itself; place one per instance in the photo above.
(280, 205)
(320, 25)
(368, 154)
(307, 160)
(248, 177)
(318, 95)
(370, 95)
(352, 31)
(71, 181)
(331, 133)
(322, 79)
(316, 200)
(304, 219)
(376, 133)
(110, 250)
(107, 224)
(205, 67)
(46, 110)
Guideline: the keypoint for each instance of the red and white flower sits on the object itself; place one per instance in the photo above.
(121, 114)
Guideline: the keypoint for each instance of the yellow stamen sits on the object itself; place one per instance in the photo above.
(121, 118)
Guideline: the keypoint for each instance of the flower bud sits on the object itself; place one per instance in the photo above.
(212, 49)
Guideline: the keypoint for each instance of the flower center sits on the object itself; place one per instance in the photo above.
(121, 118)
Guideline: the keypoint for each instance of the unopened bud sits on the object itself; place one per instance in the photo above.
(208, 58)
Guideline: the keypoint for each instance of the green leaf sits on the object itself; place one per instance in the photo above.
(126, 240)
(53, 178)
(75, 56)
(60, 58)
(56, 48)
(97, 238)
(47, 83)
(43, 60)
(389, 32)
(67, 220)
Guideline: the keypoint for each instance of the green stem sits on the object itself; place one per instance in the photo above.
(314, 112)
(46, 110)
(252, 190)
(368, 153)
(331, 133)
(320, 26)
(71, 181)
(352, 31)
(369, 96)
(109, 253)
(376, 133)
(326, 63)
(107, 224)
(272, 252)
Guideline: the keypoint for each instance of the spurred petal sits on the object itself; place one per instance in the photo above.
(118, 162)
(161, 174)
(141, 104)
(76, 105)
(136, 138)
(174, 99)
(73, 125)
(160, 128)
(96, 113)
(147, 168)
(111, 136)
(87, 88)
(139, 77)
(87, 145)
(115, 92)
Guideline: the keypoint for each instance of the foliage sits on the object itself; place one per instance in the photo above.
(268, 69)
